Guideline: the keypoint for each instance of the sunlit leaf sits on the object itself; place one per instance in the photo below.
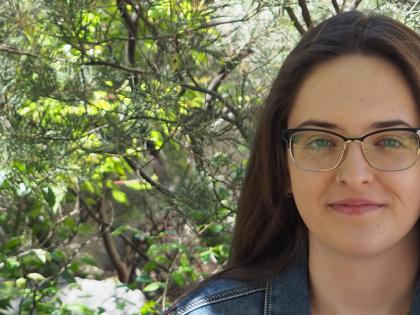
(35, 276)
(152, 287)
(119, 196)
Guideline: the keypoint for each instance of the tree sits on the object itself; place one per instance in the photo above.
(129, 121)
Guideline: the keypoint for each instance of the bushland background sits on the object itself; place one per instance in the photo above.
(125, 128)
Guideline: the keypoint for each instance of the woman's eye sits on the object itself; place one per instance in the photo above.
(389, 143)
(320, 144)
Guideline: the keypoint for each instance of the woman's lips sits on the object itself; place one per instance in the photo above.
(355, 206)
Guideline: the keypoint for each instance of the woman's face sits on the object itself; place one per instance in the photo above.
(351, 94)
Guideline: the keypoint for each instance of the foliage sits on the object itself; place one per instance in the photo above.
(127, 124)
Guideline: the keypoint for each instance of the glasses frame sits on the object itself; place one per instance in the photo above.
(287, 134)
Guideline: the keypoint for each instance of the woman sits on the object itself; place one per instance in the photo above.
(327, 220)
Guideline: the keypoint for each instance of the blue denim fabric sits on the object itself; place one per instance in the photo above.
(284, 294)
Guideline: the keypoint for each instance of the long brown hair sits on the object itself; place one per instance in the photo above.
(269, 233)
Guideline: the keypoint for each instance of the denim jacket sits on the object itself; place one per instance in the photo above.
(284, 294)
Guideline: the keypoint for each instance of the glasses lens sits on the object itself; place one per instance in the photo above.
(391, 150)
(316, 150)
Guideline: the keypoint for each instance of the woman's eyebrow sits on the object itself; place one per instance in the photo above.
(318, 123)
(376, 125)
(390, 123)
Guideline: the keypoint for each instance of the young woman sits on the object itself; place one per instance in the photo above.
(327, 220)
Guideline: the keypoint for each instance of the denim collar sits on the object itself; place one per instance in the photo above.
(288, 292)
(415, 304)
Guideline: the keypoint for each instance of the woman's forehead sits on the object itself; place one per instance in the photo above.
(354, 91)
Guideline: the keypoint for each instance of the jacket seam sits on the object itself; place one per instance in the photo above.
(218, 297)
(267, 300)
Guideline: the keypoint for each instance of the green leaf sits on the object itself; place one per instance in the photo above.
(5, 303)
(35, 276)
(85, 229)
(58, 256)
(178, 278)
(21, 283)
(144, 278)
(215, 228)
(88, 186)
(154, 286)
(69, 222)
(13, 242)
(156, 137)
(118, 166)
(183, 260)
(49, 196)
(74, 266)
(88, 260)
(149, 266)
(135, 185)
(42, 255)
(119, 196)
(12, 263)
(120, 230)
(20, 166)
(149, 308)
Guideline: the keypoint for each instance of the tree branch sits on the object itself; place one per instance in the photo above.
(91, 62)
(234, 122)
(119, 264)
(8, 49)
(305, 13)
(295, 20)
(336, 6)
(113, 65)
(142, 174)
(132, 22)
(110, 228)
(222, 74)
(143, 255)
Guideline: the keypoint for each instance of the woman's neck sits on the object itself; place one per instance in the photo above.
(381, 284)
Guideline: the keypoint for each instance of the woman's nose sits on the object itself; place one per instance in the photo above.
(354, 169)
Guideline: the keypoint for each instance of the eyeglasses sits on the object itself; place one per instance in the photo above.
(318, 150)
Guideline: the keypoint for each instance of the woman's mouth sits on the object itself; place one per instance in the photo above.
(355, 206)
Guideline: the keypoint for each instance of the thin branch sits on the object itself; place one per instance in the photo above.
(119, 264)
(209, 92)
(110, 228)
(113, 65)
(131, 21)
(336, 6)
(142, 174)
(295, 20)
(8, 49)
(222, 74)
(235, 122)
(138, 251)
(91, 62)
(305, 13)
(165, 290)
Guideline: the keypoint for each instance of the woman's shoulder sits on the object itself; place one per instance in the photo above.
(223, 296)
(286, 290)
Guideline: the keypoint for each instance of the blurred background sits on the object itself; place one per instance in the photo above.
(125, 128)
